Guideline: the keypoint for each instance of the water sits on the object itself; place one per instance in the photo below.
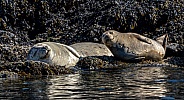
(129, 83)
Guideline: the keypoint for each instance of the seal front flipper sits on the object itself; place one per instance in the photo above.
(142, 38)
(163, 40)
(129, 56)
(136, 59)
(139, 58)
(72, 50)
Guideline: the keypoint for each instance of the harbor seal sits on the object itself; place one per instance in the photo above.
(132, 46)
(91, 49)
(54, 54)
(60, 54)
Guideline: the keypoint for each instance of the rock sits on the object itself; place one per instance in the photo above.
(32, 68)
(111, 63)
(8, 75)
(175, 49)
(25, 22)
(175, 61)
(77, 21)
(98, 63)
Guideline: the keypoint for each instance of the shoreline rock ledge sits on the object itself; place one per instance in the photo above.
(24, 23)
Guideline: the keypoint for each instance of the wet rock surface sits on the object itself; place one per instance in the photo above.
(174, 49)
(30, 69)
(109, 63)
(24, 23)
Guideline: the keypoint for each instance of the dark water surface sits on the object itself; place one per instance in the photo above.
(128, 83)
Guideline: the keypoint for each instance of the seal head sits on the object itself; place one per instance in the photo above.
(53, 54)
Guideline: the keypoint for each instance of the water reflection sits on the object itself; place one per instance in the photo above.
(23, 89)
(65, 86)
(145, 82)
(128, 83)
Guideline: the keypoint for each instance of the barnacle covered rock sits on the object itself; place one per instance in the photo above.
(175, 49)
(111, 63)
(101, 63)
(32, 68)
(26, 22)
(79, 20)
(175, 61)
(8, 74)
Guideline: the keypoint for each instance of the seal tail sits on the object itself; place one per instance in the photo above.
(163, 40)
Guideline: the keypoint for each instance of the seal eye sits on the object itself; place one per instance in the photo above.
(111, 32)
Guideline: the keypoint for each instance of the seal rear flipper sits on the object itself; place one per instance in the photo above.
(163, 40)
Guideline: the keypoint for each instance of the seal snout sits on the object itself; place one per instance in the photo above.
(107, 37)
(104, 38)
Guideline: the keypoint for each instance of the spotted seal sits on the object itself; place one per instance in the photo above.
(91, 49)
(132, 46)
(54, 54)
